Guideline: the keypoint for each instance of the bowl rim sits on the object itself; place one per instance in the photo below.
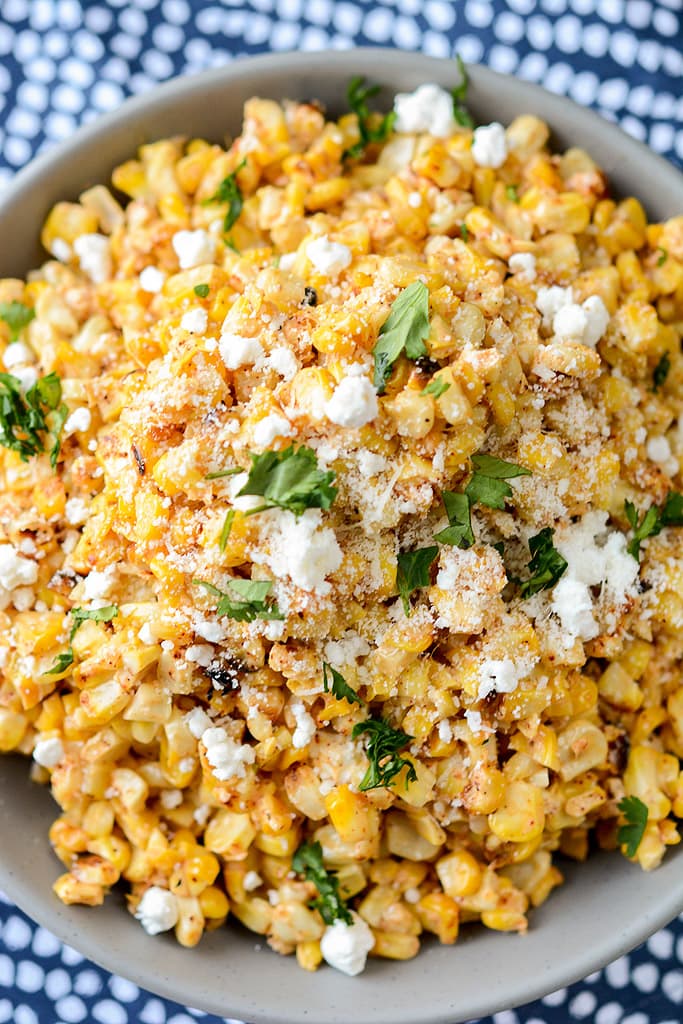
(68, 923)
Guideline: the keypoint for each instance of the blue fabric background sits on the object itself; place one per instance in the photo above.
(63, 62)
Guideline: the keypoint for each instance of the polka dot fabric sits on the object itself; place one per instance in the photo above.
(64, 62)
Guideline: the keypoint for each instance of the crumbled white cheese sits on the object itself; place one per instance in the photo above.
(346, 650)
(473, 719)
(270, 427)
(246, 501)
(157, 911)
(659, 450)
(369, 463)
(500, 676)
(171, 798)
(94, 256)
(428, 109)
(252, 880)
(328, 258)
(214, 632)
(17, 354)
(24, 598)
(76, 511)
(78, 421)
(283, 361)
(489, 145)
(305, 725)
(346, 946)
(26, 375)
(445, 731)
(201, 813)
(287, 260)
(582, 324)
(353, 403)
(226, 757)
(415, 200)
(193, 248)
(302, 549)
(98, 584)
(15, 570)
(48, 752)
(412, 895)
(195, 321)
(152, 280)
(61, 250)
(573, 604)
(549, 300)
(197, 722)
(200, 654)
(237, 351)
(524, 264)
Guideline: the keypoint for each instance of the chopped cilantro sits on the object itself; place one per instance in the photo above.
(672, 510)
(461, 114)
(661, 372)
(220, 473)
(308, 861)
(511, 193)
(334, 681)
(246, 600)
(227, 527)
(17, 316)
(464, 232)
(636, 813)
(404, 330)
(289, 479)
(488, 482)
(382, 746)
(413, 572)
(78, 616)
(437, 387)
(25, 419)
(459, 511)
(202, 290)
(229, 192)
(369, 128)
(653, 520)
(546, 564)
(62, 662)
(663, 256)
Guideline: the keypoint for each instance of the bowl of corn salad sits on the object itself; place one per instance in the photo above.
(341, 560)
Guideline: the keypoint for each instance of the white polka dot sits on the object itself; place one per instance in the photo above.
(26, 45)
(109, 1012)
(617, 972)
(666, 22)
(76, 72)
(558, 78)
(479, 13)
(503, 58)
(15, 10)
(636, 1018)
(6, 1010)
(30, 976)
(6, 971)
(406, 34)
(176, 11)
(634, 127)
(23, 122)
(661, 944)
(377, 25)
(533, 67)
(471, 49)
(158, 65)
(16, 933)
(106, 96)
(70, 956)
(168, 37)
(509, 27)
(71, 1009)
(124, 990)
(613, 93)
(57, 983)
(98, 19)
(66, 97)
(347, 18)
(439, 15)
(69, 14)
(505, 1017)
(638, 13)
(133, 21)
(42, 14)
(180, 1018)
(87, 983)
(609, 1013)
(582, 1005)
(623, 46)
(45, 943)
(650, 54)
(672, 985)
(153, 1012)
(592, 978)
(555, 998)
(539, 32)
(126, 46)
(88, 46)
(42, 68)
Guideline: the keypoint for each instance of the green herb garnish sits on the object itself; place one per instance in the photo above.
(220, 473)
(369, 128)
(661, 372)
(289, 479)
(404, 330)
(202, 290)
(413, 572)
(663, 256)
(229, 192)
(25, 419)
(488, 482)
(461, 114)
(464, 232)
(437, 387)
(653, 520)
(382, 746)
(17, 316)
(334, 682)
(78, 616)
(546, 564)
(308, 861)
(246, 600)
(459, 511)
(636, 813)
(227, 527)
(511, 193)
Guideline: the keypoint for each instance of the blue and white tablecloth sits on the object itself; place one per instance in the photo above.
(63, 62)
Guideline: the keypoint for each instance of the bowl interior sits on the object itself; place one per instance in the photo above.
(607, 905)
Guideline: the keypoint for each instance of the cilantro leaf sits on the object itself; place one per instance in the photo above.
(661, 372)
(461, 114)
(17, 316)
(546, 564)
(488, 482)
(437, 387)
(289, 479)
(308, 861)
(338, 685)
(404, 330)
(459, 512)
(413, 572)
(25, 419)
(649, 526)
(78, 616)
(512, 193)
(636, 813)
(219, 474)
(229, 192)
(672, 510)
(464, 232)
(369, 128)
(382, 746)
(227, 527)
(663, 256)
(246, 600)
(202, 290)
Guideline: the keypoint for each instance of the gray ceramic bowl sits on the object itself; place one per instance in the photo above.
(607, 906)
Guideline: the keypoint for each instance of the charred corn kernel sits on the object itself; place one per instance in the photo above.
(440, 914)
(395, 947)
(582, 746)
(255, 914)
(521, 816)
(617, 687)
(229, 834)
(70, 890)
(190, 926)
(504, 920)
(459, 873)
(352, 815)
(113, 849)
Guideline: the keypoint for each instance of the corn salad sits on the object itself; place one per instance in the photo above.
(230, 639)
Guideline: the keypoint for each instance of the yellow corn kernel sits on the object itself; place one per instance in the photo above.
(394, 946)
(504, 920)
(459, 873)
(618, 688)
(98, 820)
(255, 914)
(230, 834)
(282, 845)
(112, 848)
(308, 955)
(351, 813)
(70, 890)
(520, 817)
(190, 926)
(213, 902)
(13, 726)
(581, 746)
(440, 914)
